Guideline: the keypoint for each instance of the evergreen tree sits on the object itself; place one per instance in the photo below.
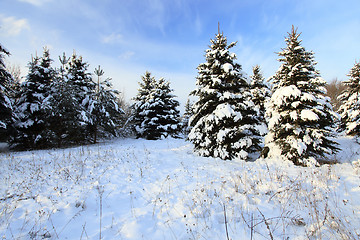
(300, 115)
(162, 116)
(350, 109)
(66, 112)
(156, 115)
(140, 105)
(261, 93)
(186, 117)
(78, 77)
(105, 111)
(6, 107)
(224, 120)
(33, 106)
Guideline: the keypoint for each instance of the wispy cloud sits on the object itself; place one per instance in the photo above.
(36, 2)
(112, 38)
(10, 26)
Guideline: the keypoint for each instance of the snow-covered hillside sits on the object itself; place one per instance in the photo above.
(138, 189)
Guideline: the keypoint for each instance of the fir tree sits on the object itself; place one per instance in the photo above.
(350, 109)
(185, 119)
(78, 77)
(33, 106)
(163, 118)
(224, 120)
(105, 111)
(156, 115)
(140, 105)
(261, 93)
(6, 106)
(300, 115)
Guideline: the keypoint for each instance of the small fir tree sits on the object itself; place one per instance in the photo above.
(140, 105)
(261, 93)
(224, 120)
(350, 108)
(6, 106)
(156, 111)
(186, 117)
(300, 115)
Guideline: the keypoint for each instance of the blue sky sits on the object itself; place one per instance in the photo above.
(169, 37)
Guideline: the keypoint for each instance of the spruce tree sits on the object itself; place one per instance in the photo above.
(261, 93)
(6, 106)
(350, 109)
(33, 107)
(185, 119)
(78, 77)
(105, 111)
(140, 105)
(163, 117)
(155, 110)
(300, 115)
(224, 120)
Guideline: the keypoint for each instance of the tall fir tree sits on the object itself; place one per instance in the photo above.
(261, 93)
(6, 105)
(224, 120)
(66, 112)
(33, 106)
(350, 109)
(78, 77)
(301, 118)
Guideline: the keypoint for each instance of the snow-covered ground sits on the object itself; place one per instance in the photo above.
(139, 189)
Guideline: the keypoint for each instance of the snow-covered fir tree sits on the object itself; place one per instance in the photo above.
(66, 111)
(261, 93)
(156, 112)
(163, 117)
(33, 106)
(78, 77)
(6, 106)
(105, 110)
(350, 109)
(140, 105)
(185, 119)
(224, 121)
(301, 118)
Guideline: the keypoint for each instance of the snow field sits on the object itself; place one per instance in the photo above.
(138, 189)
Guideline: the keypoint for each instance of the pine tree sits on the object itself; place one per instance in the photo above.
(6, 106)
(140, 105)
(78, 77)
(185, 119)
(261, 93)
(66, 112)
(155, 110)
(224, 120)
(33, 107)
(163, 117)
(105, 111)
(350, 109)
(300, 115)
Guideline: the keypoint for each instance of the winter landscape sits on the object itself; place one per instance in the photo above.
(247, 157)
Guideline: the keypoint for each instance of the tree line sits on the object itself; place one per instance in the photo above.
(290, 115)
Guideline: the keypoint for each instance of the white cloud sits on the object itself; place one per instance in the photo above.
(10, 26)
(112, 38)
(36, 2)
